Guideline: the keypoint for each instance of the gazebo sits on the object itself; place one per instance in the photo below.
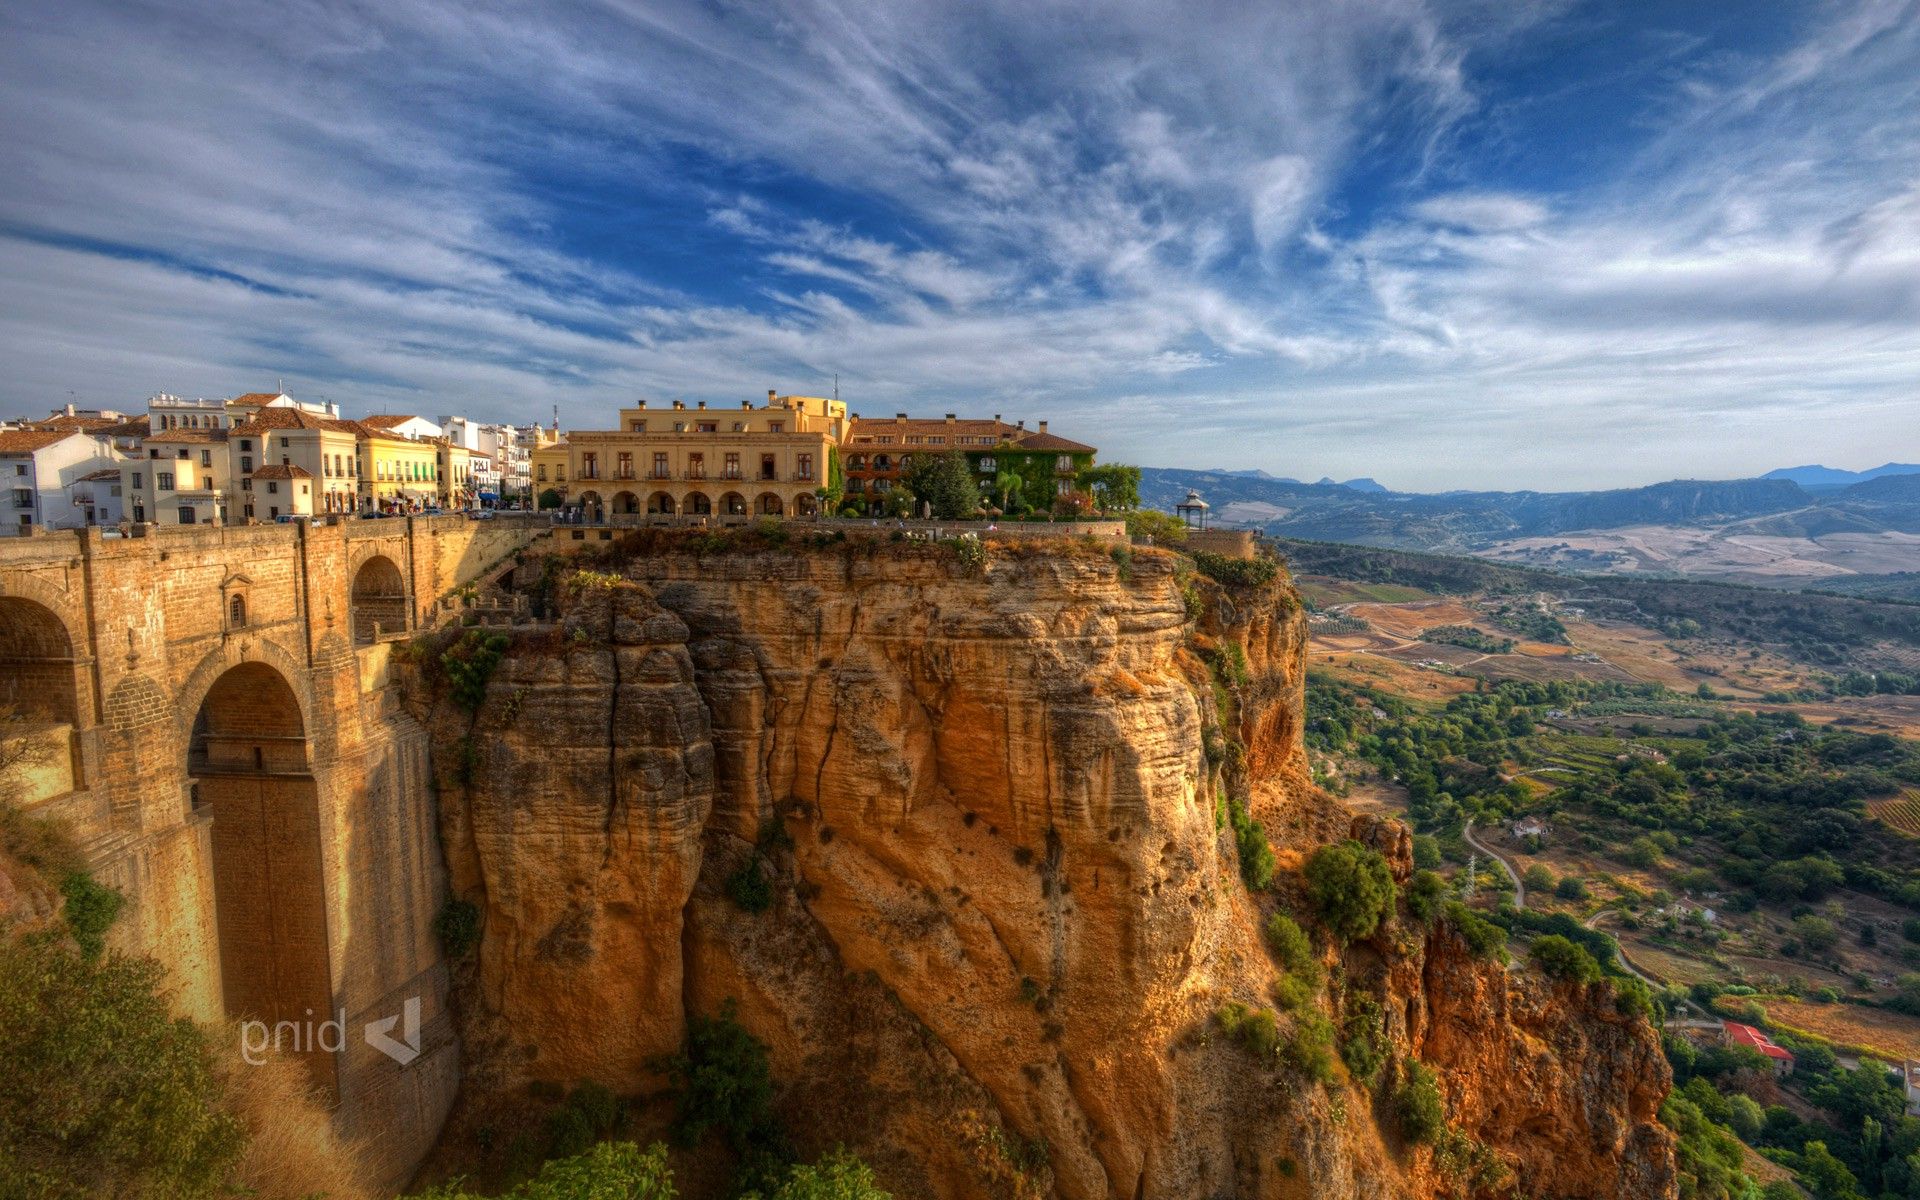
(1192, 510)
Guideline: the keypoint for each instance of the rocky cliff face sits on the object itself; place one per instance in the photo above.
(985, 800)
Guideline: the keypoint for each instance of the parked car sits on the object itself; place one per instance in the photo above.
(480, 514)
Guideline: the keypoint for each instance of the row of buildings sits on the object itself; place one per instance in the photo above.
(790, 457)
(262, 456)
(266, 456)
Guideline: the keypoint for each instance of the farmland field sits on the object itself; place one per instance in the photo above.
(1901, 813)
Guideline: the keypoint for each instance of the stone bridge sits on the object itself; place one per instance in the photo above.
(216, 729)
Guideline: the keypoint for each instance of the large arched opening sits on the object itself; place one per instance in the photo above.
(39, 701)
(249, 761)
(379, 599)
(699, 504)
(769, 505)
(661, 504)
(626, 503)
(733, 504)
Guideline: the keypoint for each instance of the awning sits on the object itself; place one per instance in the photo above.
(489, 495)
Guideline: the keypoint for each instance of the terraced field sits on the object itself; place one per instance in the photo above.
(1899, 813)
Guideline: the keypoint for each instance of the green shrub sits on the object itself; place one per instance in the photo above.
(1351, 887)
(1426, 897)
(469, 663)
(1538, 878)
(1235, 572)
(1363, 1038)
(1122, 560)
(608, 1171)
(90, 909)
(104, 1092)
(839, 1175)
(1423, 1116)
(748, 887)
(1254, 1028)
(1310, 1049)
(1559, 958)
(721, 1081)
(458, 927)
(1571, 888)
(1291, 946)
(1293, 993)
(1250, 842)
(1426, 851)
(1483, 937)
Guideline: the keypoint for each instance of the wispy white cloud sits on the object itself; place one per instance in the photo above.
(1028, 207)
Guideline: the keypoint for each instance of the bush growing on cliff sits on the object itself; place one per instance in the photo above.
(1426, 896)
(1310, 1049)
(589, 1114)
(1235, 572)
(1559, 958)
(1417, 1103)
(1351, 887)
(469, 663)
(1254, 1028)
(839, 1175)
(608, 1171)
(104, 1092)
(748, 887)
(89, 909)
(1363, 1038)
(721, 1081)
(1292, 947)
(1484, 939)
(457, 925)
(1250, 840)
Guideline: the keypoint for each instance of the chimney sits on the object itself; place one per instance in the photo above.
(1020, 424)
(996, 418)
(949, 418)
(746, 405)
(900, 418)
(770, 395)
(643, 404)
(679, 405)
(703, 406)
(1043, 427)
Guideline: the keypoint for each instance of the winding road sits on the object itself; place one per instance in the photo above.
(1519, 889)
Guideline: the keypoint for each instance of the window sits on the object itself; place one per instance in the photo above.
(623, 467)
(164, 481)
(777, 427)
(542, 473)
(937, 441)
(273, 487)
(589, 465)
(20, 468)
(767, 469)
(283, 443)
(246, 462)
(660, 465)
(186, 515)
(709, 427)
(679, 426)
(1063, 463)
(245, 444)
(1062, 486)
(182, 452)
(237, 612)
(806, 466)
(136, 479)
(636, 426)
(23, 497)
(560, 473)
(206, 458)
(731, 468)
(986, 462)
(696, 466)
(857, 463)
(140, 513)
(739, 426)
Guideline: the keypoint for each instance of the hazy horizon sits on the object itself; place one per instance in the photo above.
(1443, 245)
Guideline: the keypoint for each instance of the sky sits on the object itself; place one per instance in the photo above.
(1555, 245)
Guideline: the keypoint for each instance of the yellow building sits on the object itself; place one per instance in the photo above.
(700, 461)
(180, 478)
(327, 449)
(396, 472)
(548, 464)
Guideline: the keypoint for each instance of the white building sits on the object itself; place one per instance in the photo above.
(38, 471)
(417, 429)
(506, 472)
(98, 496)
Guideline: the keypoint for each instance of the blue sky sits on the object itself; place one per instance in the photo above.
(1485, 244)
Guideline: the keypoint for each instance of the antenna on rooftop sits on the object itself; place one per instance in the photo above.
(836, 387)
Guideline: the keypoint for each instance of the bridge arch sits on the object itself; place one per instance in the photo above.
(378, 599)
(40, 682)
(250, 761)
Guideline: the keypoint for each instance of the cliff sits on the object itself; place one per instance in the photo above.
(987, 801)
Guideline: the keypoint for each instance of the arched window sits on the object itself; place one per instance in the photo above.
(237, 612)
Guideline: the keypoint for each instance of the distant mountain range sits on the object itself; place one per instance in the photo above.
(1753, 516)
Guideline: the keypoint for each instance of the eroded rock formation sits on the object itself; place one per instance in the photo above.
(1004, 908)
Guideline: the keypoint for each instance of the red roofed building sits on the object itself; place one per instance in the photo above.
(1753, 1039)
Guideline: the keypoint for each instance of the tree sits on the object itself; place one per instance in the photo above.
(104, 1092)
(608, 1171)
(1164, 529)
(1570, 888)
(1112, 486)
(1352, 888)
(836, 486)
(549, 499)
(1815, 933)
(1559, 958)
(946, 482)
(1538, 878)
(1423, 1118)
(839, 1175)
(722, 1081)
(1009, 487)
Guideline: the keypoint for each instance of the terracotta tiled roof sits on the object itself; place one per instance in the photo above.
(26, 441)
(1052, 442)
(387, 420)
(265, 419)
(78, 424)
(282, 472)
(138, 427)
(261, 398)
(98, 476)
(188, 435)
